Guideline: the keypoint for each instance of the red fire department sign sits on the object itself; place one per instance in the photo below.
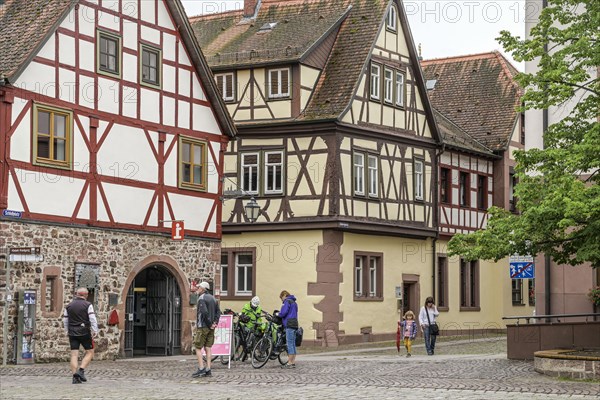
(177, 230)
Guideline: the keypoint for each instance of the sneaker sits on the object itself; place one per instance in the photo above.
(207, 373)
(199, 373)
(408, 355)
(81, 374)
(76, 379)
(288, 366)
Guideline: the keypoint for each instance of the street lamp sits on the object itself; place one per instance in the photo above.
(252, 210)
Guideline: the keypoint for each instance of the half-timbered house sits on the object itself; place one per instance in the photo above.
(337, 143)
(111, 131)
(476, 100)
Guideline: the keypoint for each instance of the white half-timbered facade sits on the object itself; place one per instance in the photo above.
(111, 122)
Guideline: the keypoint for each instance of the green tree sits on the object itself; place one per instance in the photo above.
(558, 192)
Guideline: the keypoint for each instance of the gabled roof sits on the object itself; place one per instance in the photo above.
(25, 25)
(229, 39)
(478, 93)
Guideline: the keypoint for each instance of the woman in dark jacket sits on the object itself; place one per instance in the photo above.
(289, 315)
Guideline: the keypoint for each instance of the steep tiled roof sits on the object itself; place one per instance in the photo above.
(228, 39)
(453, 136)
(478, 93)
(24, 24)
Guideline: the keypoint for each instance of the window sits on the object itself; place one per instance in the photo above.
(279, 83)
(224, 274)
(375, 85)
(225, 83)
(464, 189)
(192, 164)
(445, 185)
(373, 176)
(388, 85)
(359, 174)
(531, 291)
(418, 179)
(51, 305)
(238, 273)
(250, 172)
(365, 175)
(512, 201)
(442, 278)
(274, 172)
(392, 19)
(51, 299)
(109, 53)
(266, 163)
(368, 276)
(482, 192)
(243, 274)
(53, 136)
(399, 89)
(469, 285)
(517, 292)
(150, 66)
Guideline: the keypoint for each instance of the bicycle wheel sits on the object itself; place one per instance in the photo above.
(261, 352)
(283, 357)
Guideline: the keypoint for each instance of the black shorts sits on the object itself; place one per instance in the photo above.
(86, 341)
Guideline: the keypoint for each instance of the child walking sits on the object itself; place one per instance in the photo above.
(408, 330)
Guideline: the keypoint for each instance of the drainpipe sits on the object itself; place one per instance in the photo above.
(547, 259)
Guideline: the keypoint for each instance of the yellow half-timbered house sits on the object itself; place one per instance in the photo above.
(337, 143)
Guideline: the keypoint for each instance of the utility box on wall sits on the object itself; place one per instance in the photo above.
(26, 327)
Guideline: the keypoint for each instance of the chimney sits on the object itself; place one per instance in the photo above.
(251, 8)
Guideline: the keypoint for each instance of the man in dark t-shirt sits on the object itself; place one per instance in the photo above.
(81, 325)
(208, 315)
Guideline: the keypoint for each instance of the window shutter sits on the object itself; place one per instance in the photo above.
(229, 86)
(274, 89)
(285, 81)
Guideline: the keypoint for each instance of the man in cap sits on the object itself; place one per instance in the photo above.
(208, 315)
(81, 325)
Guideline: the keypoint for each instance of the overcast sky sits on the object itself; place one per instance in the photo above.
(443, 27)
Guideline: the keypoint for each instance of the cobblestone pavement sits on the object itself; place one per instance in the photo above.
(449, 374)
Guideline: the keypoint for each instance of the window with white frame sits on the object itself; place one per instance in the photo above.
(399, 89)
(238, 273)
(273, 172)
(243, 274)
(375, 79)
(392, 19)
(373, 176)
(226, 85)
(250, 172)
(368, 276)
(359, 173)
(279, 83)
(388, 85)
(418, 179)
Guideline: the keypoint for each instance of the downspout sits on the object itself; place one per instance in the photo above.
(436, 204)
(547, 259)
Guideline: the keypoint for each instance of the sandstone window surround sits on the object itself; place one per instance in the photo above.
(51, 296)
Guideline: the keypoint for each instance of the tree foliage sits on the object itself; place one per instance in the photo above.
(558, 191)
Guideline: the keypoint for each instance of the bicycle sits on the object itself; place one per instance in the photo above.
(272, 345)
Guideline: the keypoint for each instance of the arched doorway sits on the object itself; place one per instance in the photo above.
(153, 314)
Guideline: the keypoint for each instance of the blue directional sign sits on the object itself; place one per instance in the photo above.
(522, 267)
(11, 213)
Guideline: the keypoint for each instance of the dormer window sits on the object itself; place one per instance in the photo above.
(392, 19)
(279, 83)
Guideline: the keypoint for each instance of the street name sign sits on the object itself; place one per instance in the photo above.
(25, 254)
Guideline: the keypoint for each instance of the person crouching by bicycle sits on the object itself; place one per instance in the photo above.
(253, 311)
(289, 316)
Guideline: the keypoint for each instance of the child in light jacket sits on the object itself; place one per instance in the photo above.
(408, 330)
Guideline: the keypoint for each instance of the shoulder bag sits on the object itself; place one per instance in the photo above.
(434, 329)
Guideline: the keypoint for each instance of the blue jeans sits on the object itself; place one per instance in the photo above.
(429, 340)
(290, 337)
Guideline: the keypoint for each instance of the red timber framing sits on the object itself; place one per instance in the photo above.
(455, 218)
(89, 120)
